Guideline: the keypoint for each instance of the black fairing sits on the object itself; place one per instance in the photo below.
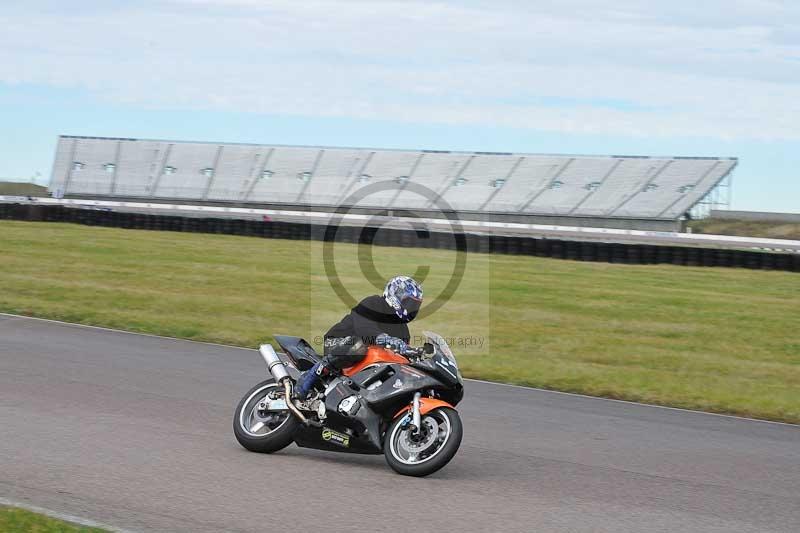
(364, 428)
(311, 437)
(301, 352)
(441, 367)
(365, 424)
(398, 385)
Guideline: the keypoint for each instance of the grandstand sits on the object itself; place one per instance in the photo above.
(632, 192)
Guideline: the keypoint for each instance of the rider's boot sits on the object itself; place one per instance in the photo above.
(309, 379)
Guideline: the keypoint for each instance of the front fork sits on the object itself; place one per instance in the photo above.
(415, 415)
(415, 421)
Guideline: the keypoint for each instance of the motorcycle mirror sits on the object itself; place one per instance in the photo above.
(428, 348)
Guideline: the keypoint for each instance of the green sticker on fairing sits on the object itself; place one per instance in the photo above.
(335, 437)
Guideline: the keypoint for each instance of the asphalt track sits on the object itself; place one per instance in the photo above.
(135, 431)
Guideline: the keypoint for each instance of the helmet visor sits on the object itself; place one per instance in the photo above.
(411, 306)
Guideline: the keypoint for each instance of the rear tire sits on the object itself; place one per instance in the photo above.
(397, 444)
(259, 433)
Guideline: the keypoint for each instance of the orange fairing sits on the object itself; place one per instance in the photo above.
(426, 405)
(375, 355)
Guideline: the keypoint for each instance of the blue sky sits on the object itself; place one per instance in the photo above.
(718, 78)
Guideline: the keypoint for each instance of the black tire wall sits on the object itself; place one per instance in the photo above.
(535, 246)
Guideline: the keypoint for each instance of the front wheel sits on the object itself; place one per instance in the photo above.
(263, 431)
(430, 449)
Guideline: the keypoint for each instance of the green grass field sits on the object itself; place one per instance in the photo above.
(724, 340)
(13, 520)
(9, 188)
(747, 228)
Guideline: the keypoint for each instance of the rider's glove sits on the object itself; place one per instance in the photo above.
(398, 345)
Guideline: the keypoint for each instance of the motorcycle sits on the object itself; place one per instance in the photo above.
(401, 406)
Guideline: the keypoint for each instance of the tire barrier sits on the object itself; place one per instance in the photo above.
(590, 251)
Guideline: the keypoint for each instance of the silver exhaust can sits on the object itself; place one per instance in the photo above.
(274, 364)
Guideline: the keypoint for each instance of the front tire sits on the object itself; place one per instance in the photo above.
(260, 431)
(426, 453)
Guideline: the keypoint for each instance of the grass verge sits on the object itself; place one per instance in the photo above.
(14, 520)
(747, 228)
(717, 339)
(9, 188)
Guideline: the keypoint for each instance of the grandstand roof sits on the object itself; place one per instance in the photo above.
(518, 183)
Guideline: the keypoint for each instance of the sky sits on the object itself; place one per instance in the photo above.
(711, 78)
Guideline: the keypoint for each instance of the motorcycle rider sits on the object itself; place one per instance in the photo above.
(376, 320)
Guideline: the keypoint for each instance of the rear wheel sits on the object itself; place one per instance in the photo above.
(260, 430)
(427, 451)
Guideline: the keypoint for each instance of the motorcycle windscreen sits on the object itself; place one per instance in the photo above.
(440, 344)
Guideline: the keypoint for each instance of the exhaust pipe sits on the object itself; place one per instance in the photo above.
(287, 386)
(274, 364)
(278, 371)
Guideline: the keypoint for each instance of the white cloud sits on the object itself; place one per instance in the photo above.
(724, 69)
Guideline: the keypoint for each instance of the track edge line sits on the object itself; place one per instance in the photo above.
(58, 515)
